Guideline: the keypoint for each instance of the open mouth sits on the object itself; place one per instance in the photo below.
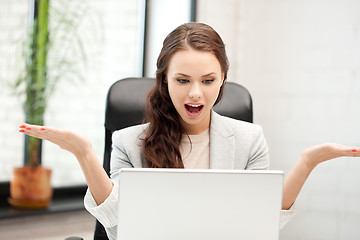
(193, 110)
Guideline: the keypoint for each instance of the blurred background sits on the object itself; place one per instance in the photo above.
(299, 59)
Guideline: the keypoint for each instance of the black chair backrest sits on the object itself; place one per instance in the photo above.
(125, 107)
(125, 104)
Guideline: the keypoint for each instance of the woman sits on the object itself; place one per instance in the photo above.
(182, 130)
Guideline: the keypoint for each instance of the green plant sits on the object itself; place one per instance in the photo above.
(53, 50)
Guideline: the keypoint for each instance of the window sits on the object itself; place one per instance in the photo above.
(162, 16)
(78, 106)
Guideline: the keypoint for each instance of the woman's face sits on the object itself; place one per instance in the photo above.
(194, 79)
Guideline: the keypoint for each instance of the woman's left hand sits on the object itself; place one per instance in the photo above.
(320, 153)
(309, 159)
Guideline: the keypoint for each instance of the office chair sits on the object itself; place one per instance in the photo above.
(125, 107)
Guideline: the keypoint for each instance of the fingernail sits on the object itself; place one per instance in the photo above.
(43, 129)
(21, 130)
(354, 150)
(28, 128)
(22, 126)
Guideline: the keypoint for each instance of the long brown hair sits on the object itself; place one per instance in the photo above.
(163, 136)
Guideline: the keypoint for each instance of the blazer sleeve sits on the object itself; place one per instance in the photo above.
(119, 155)
(107, 212)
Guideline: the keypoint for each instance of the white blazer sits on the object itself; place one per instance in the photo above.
(234, 144)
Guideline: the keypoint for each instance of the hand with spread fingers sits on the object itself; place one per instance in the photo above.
(65, 139)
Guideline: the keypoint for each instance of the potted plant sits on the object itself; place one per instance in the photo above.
(30, 186)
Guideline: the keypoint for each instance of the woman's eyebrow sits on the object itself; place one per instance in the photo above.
(185, 75)
(209, 74)
(182, 74)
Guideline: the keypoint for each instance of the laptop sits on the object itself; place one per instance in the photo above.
(174, 204)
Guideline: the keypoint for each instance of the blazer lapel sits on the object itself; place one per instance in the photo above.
(222, 144)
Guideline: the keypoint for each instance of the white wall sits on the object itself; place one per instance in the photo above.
(301, 62)
(76, 106)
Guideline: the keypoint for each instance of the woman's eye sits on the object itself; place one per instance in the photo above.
(182, 80)
(208, 81)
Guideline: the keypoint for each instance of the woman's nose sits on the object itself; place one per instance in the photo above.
(195, 92)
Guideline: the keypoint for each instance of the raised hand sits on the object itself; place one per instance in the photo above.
(99, 184)
(65, 139)
(317, 154)
(309, 159)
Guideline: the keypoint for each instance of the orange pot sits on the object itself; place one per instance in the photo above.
(31, 187)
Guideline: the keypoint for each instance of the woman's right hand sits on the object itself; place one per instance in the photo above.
(65, 139)
(97, 179)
